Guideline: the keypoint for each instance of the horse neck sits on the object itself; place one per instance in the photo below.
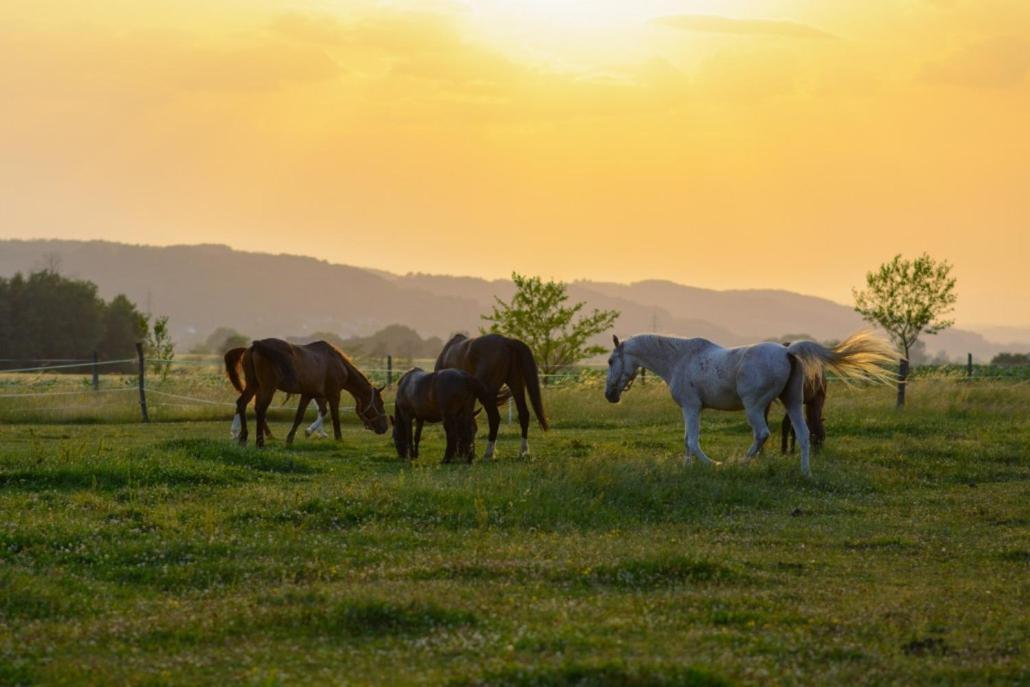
(357, 384)
(659, 354)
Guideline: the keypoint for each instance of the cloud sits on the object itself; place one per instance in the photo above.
(710, 23)
(1001, 62)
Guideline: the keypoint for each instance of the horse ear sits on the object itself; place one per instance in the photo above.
(616, 340)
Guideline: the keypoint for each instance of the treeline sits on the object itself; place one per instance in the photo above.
(45, 316)
(402, 342)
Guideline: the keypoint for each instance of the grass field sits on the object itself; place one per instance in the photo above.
(162, 554)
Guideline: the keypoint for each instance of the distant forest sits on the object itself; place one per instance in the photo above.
(400, 341)
(45, 316)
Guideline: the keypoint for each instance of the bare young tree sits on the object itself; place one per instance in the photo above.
(908, 298)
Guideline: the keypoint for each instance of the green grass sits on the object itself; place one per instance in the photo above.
(165, 555)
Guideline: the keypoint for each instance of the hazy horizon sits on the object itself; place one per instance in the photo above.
(994, 330)
(790, 144)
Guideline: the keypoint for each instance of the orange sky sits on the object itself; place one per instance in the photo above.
(727, 144)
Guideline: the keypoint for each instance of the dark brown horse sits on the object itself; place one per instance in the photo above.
(815, 399)
(449, 396)
(314, 371)
(497, 360)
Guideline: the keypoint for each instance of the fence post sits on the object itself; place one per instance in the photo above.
(142, 382)
(969, 365)
(96, 374)
(389, 370)
(643, 376)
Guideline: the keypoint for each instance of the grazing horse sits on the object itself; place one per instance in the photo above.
(497, 360)
(314, 371)
(702, 375)
(815, 399)
(234, 368)
(449, 396)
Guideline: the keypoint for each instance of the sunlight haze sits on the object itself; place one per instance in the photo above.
(790, 144)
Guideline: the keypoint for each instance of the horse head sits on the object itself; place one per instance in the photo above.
(373, 412)
(622, 370)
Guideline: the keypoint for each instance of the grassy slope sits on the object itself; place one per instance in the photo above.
(162, 554)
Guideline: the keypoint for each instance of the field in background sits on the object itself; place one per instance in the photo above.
(162, 554)
(196, 388)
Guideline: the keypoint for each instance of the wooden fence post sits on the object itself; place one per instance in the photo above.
(96, 374)
(142, 382)
(389, 370)
(969, 365)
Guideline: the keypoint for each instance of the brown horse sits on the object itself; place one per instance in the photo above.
(317, 370)
(815, 399)
(447, 396)
(497, 360)
(234, 367)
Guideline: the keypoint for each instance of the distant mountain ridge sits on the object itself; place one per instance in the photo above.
(205, 286)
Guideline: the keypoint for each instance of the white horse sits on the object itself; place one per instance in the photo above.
(702, 375)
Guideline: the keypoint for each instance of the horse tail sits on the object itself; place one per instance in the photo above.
(281, 360)
(233, 363)
(863, 356)
(526, 365)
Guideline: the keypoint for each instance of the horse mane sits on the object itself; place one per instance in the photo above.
(347, 361)
(658, 345)
(454, 339)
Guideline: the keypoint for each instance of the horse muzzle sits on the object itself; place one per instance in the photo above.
(613, 395)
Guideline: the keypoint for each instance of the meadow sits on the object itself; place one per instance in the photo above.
(163, 554)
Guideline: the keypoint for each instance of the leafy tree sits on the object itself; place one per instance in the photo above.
(1007, 359)
(159, 346)
(48, 316)
(908, 298)
(557, 333)
(124, 325)
(222, 339)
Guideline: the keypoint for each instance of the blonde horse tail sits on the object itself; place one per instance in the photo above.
(863, 356)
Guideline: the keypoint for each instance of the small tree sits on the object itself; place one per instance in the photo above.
(556, 332)
(159, 346)
(908, 298)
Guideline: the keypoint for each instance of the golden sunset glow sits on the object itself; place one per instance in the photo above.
(738, 144)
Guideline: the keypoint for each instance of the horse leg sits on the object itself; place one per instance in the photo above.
(518, 394)
(241, 415)
(317, 427)
(418, 438)
(449, 432)
(759, 429)
(334, 410)
(786, 434)
(302, 408)
(260, 411)
(814, 418)
(692, 435)
(797, 418)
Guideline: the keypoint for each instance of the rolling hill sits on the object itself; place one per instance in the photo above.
(202, 287)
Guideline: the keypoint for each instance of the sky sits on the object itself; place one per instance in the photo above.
(791, 144)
